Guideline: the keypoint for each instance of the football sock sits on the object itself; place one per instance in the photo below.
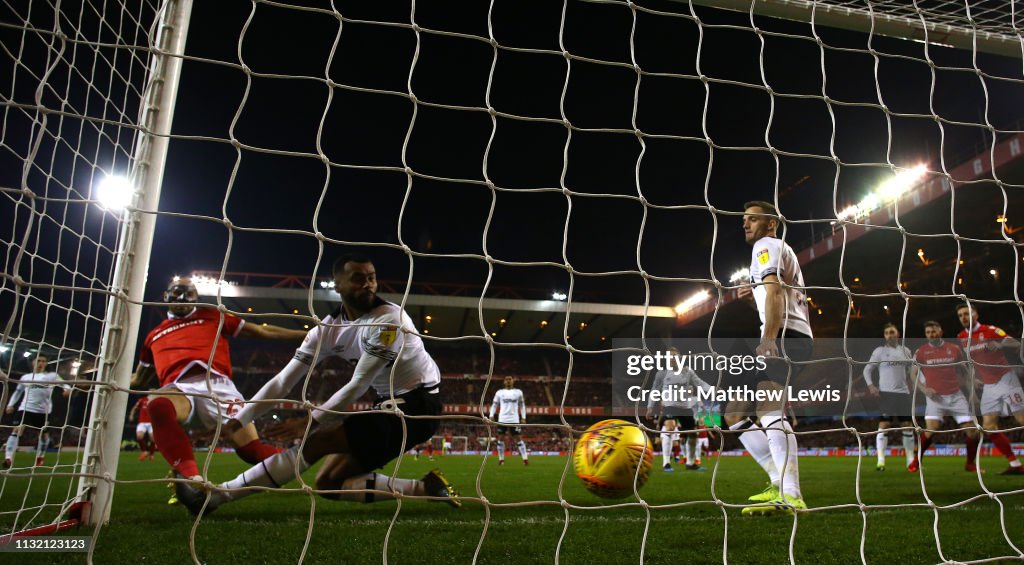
(1003, 445)
(972, 448)
(41, 445)
(273, 472)
(256, 451)
(690, 440)
(908, 445)
(756, 443)
(378, 482)
(696, 450)
(926, 442)
(11, 447)
(523, 451)
(666, 448)
(783, 448)
(881, 444)
(501, 451)
(175, 445)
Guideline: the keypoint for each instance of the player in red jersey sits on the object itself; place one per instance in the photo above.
(143, 428)
(942, 368)
(1001, 392)
(178, 351)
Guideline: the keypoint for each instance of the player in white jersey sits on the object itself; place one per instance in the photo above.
(510, 417)
(894, 364)
(34, 400)
(680, 411)
(380, 340)
(777, 292)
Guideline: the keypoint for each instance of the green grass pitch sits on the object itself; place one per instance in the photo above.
(272, 527)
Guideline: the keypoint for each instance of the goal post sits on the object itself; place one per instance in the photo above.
(989, 29)
(124, 307)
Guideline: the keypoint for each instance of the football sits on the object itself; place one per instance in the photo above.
(610, 455)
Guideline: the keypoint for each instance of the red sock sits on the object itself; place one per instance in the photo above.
(174, 443)
(972, 449)
(256, 451)
(1003, 445)
(926, 442)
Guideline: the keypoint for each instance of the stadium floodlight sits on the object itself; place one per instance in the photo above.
(561, 296)
(209, 285)
(4, 348)
(886, 193)
(692, 301)
(115, 192)
(26, 354)
(740, 275)
(327, 284)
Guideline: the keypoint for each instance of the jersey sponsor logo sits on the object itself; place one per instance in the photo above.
(1000, 333)
(177, 327)
(388, 336)
(762, 256)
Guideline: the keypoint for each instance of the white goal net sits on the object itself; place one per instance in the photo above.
(563, 154)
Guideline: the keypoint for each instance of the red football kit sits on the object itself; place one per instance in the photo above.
(144, 410)
(177, 345)
(943, 379)
(990, 366)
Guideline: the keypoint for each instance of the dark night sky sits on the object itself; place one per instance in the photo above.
(704, 143)
(444, 217)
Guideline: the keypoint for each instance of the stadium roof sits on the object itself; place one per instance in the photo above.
(591, 326)
(877, 263)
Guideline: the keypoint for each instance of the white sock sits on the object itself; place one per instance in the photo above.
(523, 451)
(274, 471)
(666, 448)
(501, 451)
(908, 446)
(784, 452)
(11, 447)
(390, 487)
(756, 442)
(696, 450)
(690, 459)
(881, 444)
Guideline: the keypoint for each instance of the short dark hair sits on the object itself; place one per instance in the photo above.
(932, 323)
(891, 325)
(339, 265)
(42, 356)
(966, 305)
(767, 208)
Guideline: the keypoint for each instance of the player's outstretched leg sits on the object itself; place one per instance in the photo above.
(175, 445)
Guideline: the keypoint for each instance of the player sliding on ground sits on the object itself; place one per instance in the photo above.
(178, 350)
(379, 338)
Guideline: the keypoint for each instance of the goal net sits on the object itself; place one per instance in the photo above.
(579, 152)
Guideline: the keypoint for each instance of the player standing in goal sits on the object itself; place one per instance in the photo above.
(778, 295)
(177, 350)
(678, 413)
(35, 392)
(894, 365)
(942, 369)
(1002, 391)
(510, 419)
(382, 343)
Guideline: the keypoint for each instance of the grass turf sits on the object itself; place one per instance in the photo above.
(524, 521)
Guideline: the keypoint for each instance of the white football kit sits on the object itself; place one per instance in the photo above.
(385, 337)
(35, 391)
(771, 256)
(891, 364)
(513, 406)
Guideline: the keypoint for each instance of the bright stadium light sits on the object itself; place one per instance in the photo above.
(559, 296)
(114, 192)
(327, 284)
(886, 193)
(4, 349)
(209, 285)
(26, 354)
(740, 275)
(692, 301)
